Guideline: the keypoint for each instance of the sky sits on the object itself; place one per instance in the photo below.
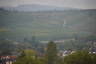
(82, 4)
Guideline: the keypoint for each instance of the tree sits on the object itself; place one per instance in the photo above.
(51, 53)
(82, 57)
(27, 57)
(93, 58)
(6, 47)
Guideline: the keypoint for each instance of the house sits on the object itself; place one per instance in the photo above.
(7, 59)
(65, 53)
(93, 50)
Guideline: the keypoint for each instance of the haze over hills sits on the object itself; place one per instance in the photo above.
(37, 7)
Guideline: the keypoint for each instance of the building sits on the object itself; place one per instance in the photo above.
(7, 59)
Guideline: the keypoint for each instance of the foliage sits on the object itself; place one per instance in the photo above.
(81, 57)
(29, 57)
(93, 58)
(51, 54)
(26, 60)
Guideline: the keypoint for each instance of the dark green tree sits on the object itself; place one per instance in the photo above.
(82, 57)
(51, 53)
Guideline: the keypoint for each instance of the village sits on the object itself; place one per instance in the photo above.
(37, 51)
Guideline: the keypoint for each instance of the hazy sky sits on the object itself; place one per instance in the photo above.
(62, 3)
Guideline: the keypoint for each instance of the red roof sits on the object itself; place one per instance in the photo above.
(8, 56)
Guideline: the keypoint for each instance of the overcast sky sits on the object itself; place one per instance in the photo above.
(84, 4)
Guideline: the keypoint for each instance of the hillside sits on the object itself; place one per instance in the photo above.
(46, 25)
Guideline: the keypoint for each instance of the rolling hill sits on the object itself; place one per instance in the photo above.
(47, 25)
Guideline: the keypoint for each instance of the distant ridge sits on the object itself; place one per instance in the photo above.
(37, 7)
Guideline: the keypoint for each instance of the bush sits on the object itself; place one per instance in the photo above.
(82, 57)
